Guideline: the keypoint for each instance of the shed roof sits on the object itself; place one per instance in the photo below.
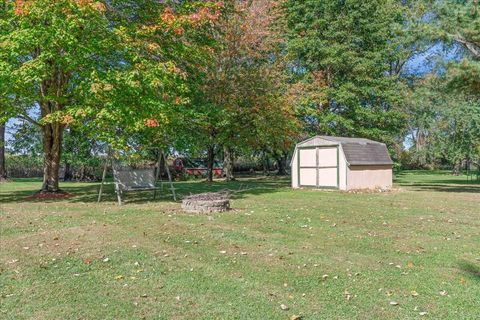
(360, 151)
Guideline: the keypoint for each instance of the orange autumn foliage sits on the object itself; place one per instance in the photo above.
(67, 119)
(151, 123)
(21, 6)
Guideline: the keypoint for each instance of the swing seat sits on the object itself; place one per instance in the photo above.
(134, 180)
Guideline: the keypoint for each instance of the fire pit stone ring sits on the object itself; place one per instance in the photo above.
(206, 202)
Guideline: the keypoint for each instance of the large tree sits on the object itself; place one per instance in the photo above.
(458, 22)
(110, 67)
(444, 126)
(347, 53)
(57, 46)
(244, 81)
(3, 170)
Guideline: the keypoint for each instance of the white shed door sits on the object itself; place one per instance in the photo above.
(318, 167)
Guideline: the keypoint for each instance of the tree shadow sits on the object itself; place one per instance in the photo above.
(447, 188)
(88, 192)
(470, 268)
(440, 181)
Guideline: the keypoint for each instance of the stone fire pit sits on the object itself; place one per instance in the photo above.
(207, 202)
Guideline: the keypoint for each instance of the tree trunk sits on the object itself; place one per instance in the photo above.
(420, 143)
(52, 149)
(161, 167)
(210, 162)
(282, 164)
(266, 164)
(68, 175)
(3, 169)
(228, 162)
(456, 168)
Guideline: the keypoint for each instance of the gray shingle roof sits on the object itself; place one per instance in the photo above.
(359, 151)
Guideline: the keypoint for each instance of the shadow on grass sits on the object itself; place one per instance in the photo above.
(441, 181)
(448, 188)
(470, 268)
(88, 192)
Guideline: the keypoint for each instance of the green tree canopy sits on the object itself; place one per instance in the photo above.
(348, 55)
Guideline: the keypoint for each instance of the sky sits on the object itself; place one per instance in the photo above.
(432, 59)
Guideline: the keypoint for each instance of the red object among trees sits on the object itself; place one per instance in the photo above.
(196, 167)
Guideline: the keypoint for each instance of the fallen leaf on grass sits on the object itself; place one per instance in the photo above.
(119, 277)
(347, 294)
(284, 307)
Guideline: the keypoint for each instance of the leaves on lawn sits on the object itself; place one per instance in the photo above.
(284, 307)
(347, 295)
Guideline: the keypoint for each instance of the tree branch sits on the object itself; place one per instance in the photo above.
(470, 46)
(25, 116)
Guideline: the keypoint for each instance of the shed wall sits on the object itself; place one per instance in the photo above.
(326, 160)
(342, 163)
(369, 177)
(294, 170)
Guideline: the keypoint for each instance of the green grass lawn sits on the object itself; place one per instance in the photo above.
(417, 246)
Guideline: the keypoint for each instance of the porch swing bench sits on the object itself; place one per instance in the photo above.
(134, 180)
(129, 180)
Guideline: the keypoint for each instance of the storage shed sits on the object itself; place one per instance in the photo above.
(341, 163)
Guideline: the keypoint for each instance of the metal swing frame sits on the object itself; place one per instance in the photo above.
(146, 180)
